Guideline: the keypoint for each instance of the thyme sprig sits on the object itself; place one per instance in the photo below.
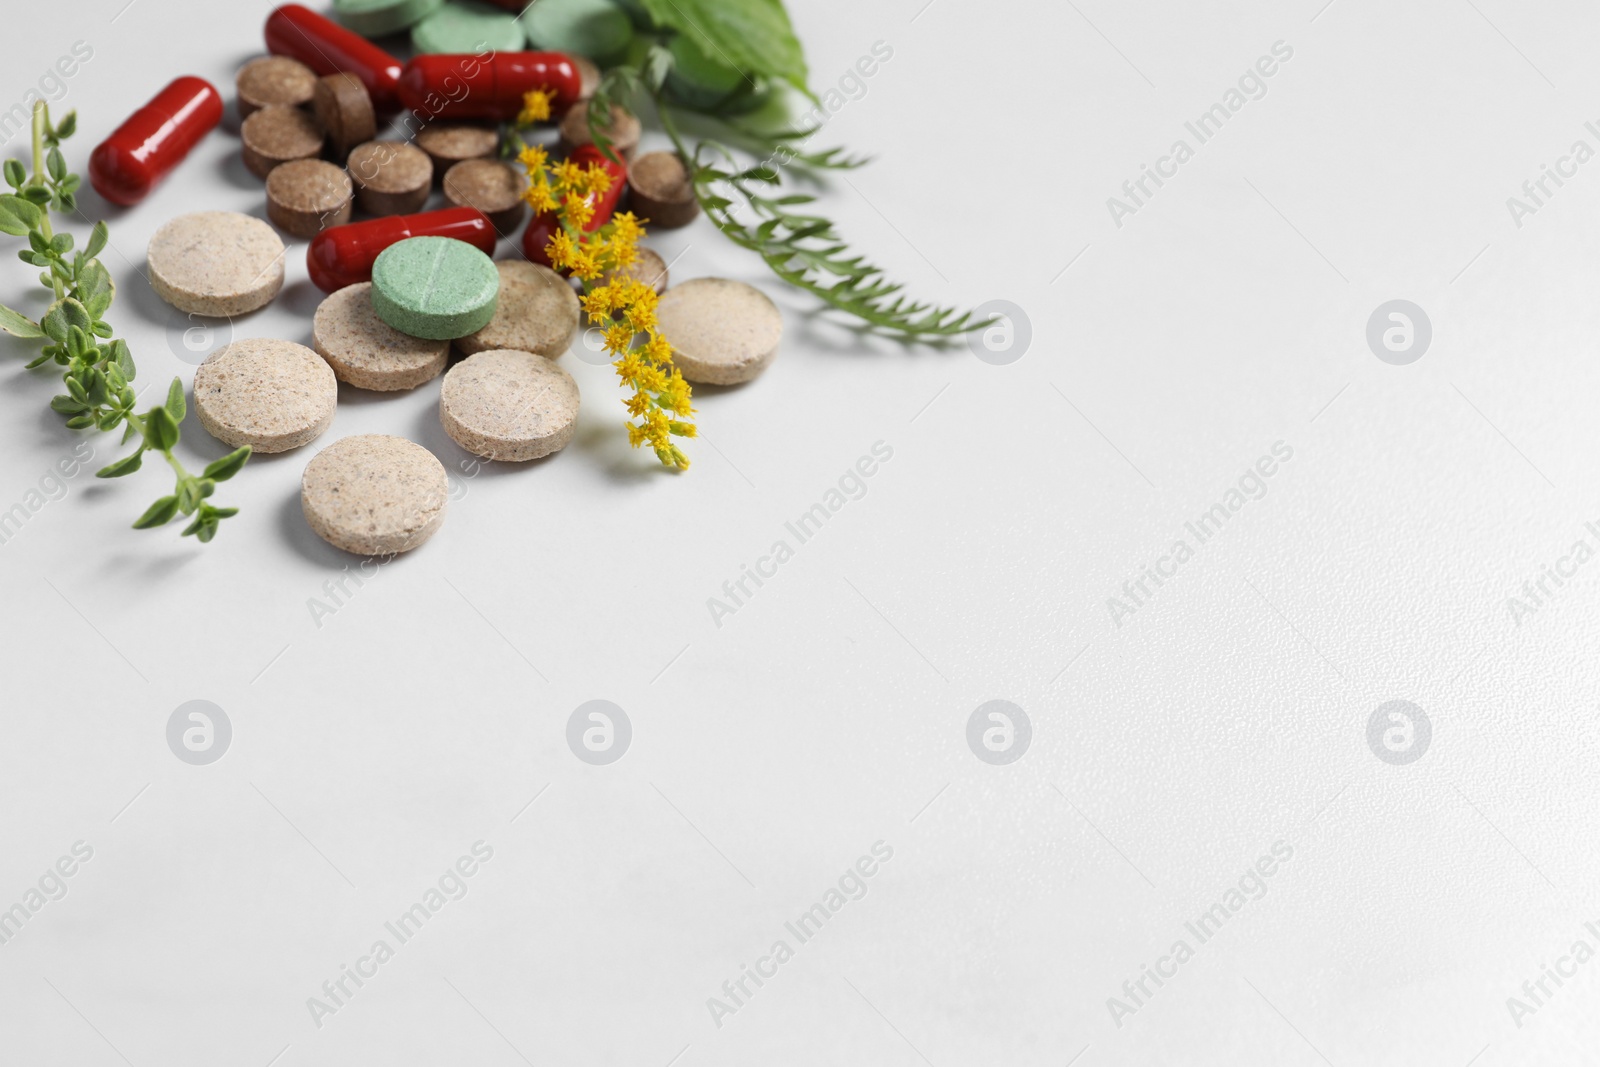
(99, 367)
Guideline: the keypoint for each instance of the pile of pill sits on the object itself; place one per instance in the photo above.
(352, 144)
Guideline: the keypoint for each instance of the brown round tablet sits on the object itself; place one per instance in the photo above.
(649, 268)
(216, 263)
(588, 77)
(661, 190)
(344, 107)
(278, 134)
(306, 196)
(274, 80)
(624, 130)
(392, 178)
(374, 495)
(448, 143)
(367, 352)
(538, 312)
(508, 405)
(722, 332)
(270, 395)
(493, 187)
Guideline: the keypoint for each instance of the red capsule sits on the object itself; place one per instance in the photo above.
(537, 236)
(344, 255)
(487, 86)
(328, 48)
(156, 138)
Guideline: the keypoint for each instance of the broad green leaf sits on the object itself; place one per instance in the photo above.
(95, 288)
(97, 240)
(17, 324)
(158, 514)
(751, 36)
(62, 316)
(160, 432)
(17, 216)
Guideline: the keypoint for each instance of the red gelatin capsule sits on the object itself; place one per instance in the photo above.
(489, 86)
(156, 138)
(344, 255)
(328, 48)
(544, 227)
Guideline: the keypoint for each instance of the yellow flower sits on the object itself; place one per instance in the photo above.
(567, 174)
(533, 157)
(619, 338)
(651, 378)
(539, 197)
(600, 303)
(641, 318)
(657, 349)
(578, 209)
(625, 226)
(535, 107)
(637, 404)
(628, 367)
(562, 249)
(583, 265)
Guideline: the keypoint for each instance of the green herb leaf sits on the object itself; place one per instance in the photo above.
(56, 164)
(222, 469)
(15, 174)
(17, 324)
(126, 465)
(158, 514)
(67, 127)
(753, 37)
(160, 432)
(175, 405)
(97, 240)
(95, 288)
(62, 316)
(18, 216)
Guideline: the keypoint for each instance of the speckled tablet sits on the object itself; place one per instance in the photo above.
(344, 107)
(509, 405)
(722, 332)
(277, 134)
(661, 192)
(624, 130)
(493, 187)
(367, 352)
(374, 495)
(274, 80)
(465, 27)
(216, 263)
(448, 143)
(270, 395)
(306, 196)
(392, 177)
(435, 287)
(538, 312)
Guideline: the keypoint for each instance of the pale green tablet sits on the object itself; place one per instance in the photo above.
(598, 29)
(375, 18)
(467, 27)
(436, 288)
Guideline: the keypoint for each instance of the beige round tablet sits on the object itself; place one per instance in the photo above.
(270, 395)
(449, 143)
(392, 178)
(538, 312)
(661, 191)
(588, 77)
(277, 134)
(367, 352)
(344, 107)
(374, 495)
(722, 332)
(509, 405)
(493, 187)
(307, 196)
(649, 268)
(624, 130)
(274, 80)
(216, 263)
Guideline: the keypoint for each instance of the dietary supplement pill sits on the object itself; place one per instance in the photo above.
(661, 191)
(367, 352)
(722, 332)
(216, 263)
(467, 27)
(492, 87)
(344, 255)
(270, 395)
(624, 130)
(435, 287)
(274, 80)
(392, 177)
(344, 107)
(493, 187)
(153, 140)
(449, 143)
(328, 48)
(278, 134)
(506, 405)
(307, 196)
(595, 28)
(378, 18)
(374, 495)
(538, 312)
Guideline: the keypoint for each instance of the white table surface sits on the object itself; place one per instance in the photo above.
(1168, 752)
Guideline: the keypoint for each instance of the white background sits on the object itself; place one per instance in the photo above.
(829, 713)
